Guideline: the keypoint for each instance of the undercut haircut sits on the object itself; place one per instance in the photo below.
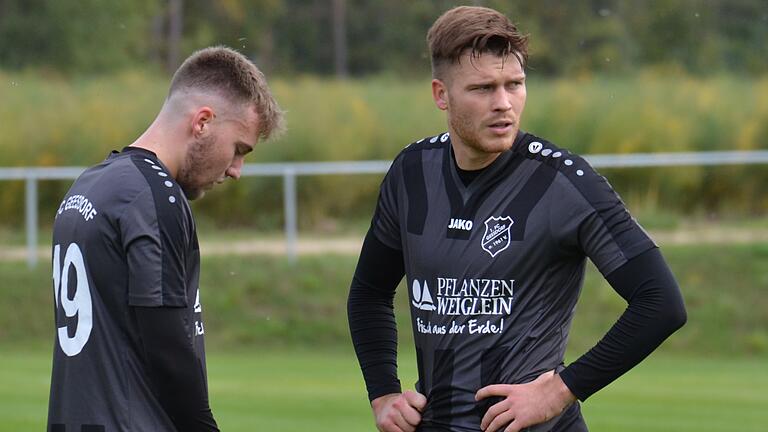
(477, 29)
(231, 75)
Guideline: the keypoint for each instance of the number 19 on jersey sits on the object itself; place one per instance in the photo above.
(78, 305)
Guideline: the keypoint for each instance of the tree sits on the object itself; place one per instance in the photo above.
(59, 35)
(175, 27)
(340, 38)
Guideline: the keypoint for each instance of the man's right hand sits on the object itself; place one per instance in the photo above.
(398, 412)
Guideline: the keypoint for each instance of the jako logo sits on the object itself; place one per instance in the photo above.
(460, 224)
(421, 297)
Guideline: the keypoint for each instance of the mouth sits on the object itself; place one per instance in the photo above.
(502, 127)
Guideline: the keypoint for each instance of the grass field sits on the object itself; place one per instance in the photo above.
(710, 376)
(290, 390)
(258, 301)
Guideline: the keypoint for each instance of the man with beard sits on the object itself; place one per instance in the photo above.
(129, 352)
(492, 227)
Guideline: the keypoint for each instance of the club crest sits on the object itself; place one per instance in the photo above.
(497, 234)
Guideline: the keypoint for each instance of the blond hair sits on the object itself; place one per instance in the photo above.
(231, 75)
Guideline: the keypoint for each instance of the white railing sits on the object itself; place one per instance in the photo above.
(289, 172)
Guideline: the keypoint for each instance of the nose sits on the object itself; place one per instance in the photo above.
(235, 168)
(501, 100)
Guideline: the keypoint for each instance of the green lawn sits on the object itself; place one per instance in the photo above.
(321, 390)
(709, 376)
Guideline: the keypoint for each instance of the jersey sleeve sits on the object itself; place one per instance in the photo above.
(175, 368)
(154, 242)
(591, 219)
(386, 219)
(371, 317)
(655, 311)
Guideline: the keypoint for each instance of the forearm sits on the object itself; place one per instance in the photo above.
(174, 368)
(654, 312)
(371, 315)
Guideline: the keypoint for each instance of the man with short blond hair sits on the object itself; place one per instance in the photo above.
(492, 226)
(129, 352)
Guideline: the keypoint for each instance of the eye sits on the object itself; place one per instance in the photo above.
(515, 84)
(242, 149)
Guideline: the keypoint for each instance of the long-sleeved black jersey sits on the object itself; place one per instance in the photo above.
(129, 352)
(494, 270)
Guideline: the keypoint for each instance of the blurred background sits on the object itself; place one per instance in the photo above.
(80, 78)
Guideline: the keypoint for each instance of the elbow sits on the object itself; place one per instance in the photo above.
(681, 317)
(678, 320)
(676, 316)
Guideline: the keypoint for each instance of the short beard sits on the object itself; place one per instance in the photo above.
(463, 129)
(195, 159)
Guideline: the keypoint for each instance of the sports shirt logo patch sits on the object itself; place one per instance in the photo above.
(421, 297)
(460, 224)
(497, 234)
(535, 147)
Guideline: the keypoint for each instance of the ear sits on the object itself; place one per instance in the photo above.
(440, 94)
(201, 121)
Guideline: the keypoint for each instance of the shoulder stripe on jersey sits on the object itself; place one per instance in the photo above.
(522, 205)
(172, 229)
(428, 143)
(416, 189)
(595, 188)
(597, 192)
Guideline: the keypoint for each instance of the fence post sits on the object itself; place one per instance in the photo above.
(31, 220)
(289, 202)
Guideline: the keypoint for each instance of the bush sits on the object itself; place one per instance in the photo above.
(56, 122)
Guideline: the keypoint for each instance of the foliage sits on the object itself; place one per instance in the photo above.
(702, 37)
(76, 122)
(256, 301)
(74, 36)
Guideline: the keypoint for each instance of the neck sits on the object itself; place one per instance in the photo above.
(470, 159)
(159, 140)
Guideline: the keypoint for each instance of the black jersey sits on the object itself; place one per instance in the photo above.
(123, 236)
(494, 269)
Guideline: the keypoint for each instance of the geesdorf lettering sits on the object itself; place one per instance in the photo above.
(80, 203)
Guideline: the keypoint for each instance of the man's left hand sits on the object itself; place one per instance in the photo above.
(525, 404)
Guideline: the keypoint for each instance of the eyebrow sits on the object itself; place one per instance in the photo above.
(518, 77)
